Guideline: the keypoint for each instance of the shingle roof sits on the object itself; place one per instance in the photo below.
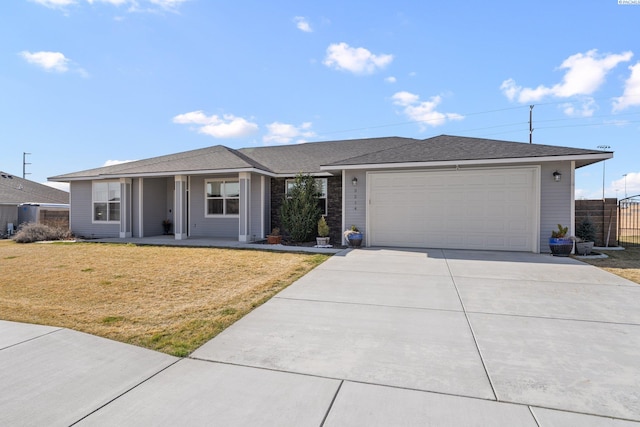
(445, 148)
(318, 156)
(15, 190)
(213, 158)
(308, 157)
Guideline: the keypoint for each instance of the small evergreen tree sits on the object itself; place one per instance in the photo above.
(300, 212)
(586, 230)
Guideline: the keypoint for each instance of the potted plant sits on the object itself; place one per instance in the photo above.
(166, 225)
(353, 236)
(585, 236)
(274, 238)
(323, 233)
(559, 244)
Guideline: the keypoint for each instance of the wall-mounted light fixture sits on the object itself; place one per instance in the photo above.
(557, 176)
(354, 181)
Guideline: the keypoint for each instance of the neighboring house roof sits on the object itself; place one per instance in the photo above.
(15, 190)
(321, 157)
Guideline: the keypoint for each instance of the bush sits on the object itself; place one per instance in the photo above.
(586, 230)
(300, 211)
(32, 232)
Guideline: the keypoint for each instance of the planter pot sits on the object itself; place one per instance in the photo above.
(560, 246)
(355, 240)
(584, 248)
(274, 240)
(167, 228)
(322, 241)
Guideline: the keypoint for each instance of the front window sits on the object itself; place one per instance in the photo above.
(106, 201)
(321, 185)
(222, 197)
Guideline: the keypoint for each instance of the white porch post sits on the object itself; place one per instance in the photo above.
(244, 225)
(180, 208)
(125, 207)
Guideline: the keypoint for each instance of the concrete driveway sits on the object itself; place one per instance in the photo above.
(370, 337)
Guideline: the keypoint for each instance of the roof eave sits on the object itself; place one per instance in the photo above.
(160, 174)
(584, 159)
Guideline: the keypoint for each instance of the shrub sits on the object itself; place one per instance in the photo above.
(300, 211)
(323, 228)
(32, 232)
(586, 230)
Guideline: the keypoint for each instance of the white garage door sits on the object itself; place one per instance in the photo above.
(485, 209)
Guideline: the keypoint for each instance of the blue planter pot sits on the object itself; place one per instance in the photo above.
(560, 246)
(355, 240)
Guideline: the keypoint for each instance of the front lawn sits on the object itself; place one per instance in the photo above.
(625, 263)
(168, 299)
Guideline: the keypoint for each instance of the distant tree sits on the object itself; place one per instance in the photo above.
(300, 212)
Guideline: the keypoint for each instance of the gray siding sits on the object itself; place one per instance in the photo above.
(82, 213)
(8, 214)
(199, 226)
(556, 201)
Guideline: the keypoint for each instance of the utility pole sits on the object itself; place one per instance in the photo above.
(531, 123)
(625, 185)
(24, 164)
(604, 162)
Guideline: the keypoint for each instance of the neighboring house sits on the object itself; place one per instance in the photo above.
(444, 192)
(15, 191)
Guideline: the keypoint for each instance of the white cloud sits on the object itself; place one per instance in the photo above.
(631, 94)
(227, 126)
(116, 162)
(423, 112)
(55, 4)
(53, 61)
(583, 108)
(50, 61)
(585, 73)
(302, 24)
(283, 133)
(633, 184)
(359, 60)
(390, 79)
(134, 5)
(111, 2)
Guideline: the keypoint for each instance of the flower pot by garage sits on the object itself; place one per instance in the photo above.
(322, 241)
(274, 240)
(584, 248)
(560, 246)
(355, 240)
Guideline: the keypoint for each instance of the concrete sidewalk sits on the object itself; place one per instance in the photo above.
(370, 337)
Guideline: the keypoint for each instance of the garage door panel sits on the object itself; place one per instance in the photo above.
(465, 209)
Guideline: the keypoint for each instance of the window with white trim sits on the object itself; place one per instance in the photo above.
(222, 197)
(106, 201)
(321, 185)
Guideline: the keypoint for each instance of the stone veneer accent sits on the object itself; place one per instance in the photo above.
(334, 206)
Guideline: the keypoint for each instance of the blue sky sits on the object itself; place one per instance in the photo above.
(87, 82)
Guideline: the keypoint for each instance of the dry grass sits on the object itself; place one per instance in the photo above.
(624, 263)
(164, 298)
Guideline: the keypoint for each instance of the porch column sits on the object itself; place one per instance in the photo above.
(125, 207)
(244, 226)
(180, 208)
